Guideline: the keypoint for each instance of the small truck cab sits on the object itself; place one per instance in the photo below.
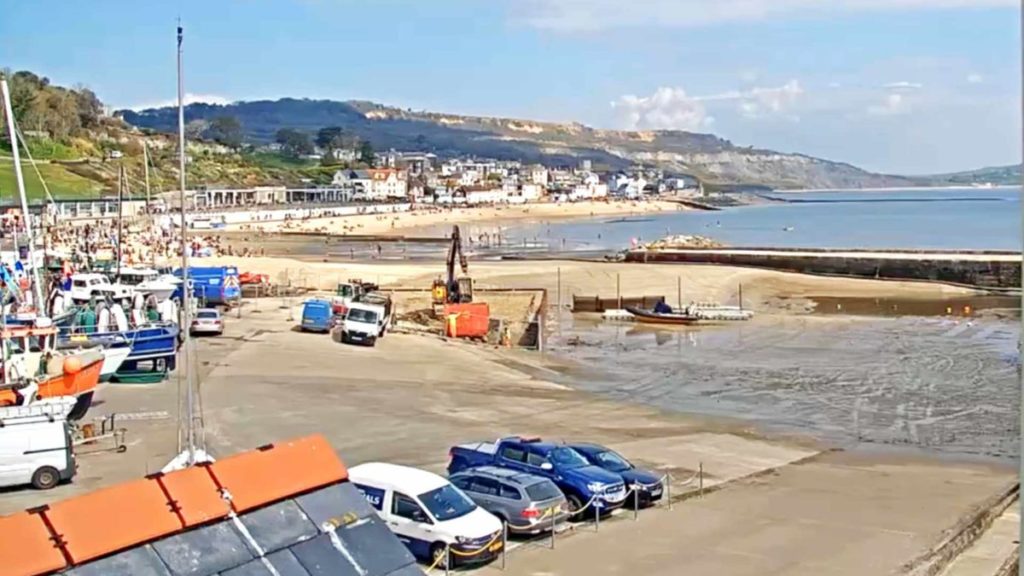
(364, 323)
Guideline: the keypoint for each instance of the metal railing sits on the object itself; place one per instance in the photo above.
(445, 560)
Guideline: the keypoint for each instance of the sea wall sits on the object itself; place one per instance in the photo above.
(981, 269)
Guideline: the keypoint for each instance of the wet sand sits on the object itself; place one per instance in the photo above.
(943, 385)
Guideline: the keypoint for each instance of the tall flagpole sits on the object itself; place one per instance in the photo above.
(186, 289)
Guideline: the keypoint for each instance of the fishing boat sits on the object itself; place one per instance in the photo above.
(33, 366)
(652, 317)
(151, 351)
(150, 281)
(692, 314)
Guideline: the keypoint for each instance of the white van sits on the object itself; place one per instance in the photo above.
(36, 445)
(427, 513)
(364, 323)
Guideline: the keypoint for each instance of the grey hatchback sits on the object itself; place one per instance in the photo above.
(529, 504)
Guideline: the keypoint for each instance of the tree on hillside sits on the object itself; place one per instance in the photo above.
(366, 155)
(329, 137)
(194, 129)
(226, 130)
(294, 142)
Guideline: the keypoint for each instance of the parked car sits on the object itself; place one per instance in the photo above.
(648, 486)
(428, 513)
(207, 321)
(579, 480)
(528, 503)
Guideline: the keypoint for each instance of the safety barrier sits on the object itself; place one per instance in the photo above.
(665, 481)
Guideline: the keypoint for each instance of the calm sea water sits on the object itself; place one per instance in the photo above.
(939, 219)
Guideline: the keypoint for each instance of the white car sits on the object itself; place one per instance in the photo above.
(429, 515)
(207, 321)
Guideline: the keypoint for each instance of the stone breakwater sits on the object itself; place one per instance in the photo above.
(993, 270)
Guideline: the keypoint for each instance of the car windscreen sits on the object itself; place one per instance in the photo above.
(207, 314)
(357, 315)
(545, 490)
(446, 503)
(564, 457)
(612, 461)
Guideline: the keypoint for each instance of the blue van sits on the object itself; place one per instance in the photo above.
(316, 316)
(213, 285)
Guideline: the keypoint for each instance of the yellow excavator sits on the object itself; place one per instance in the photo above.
(452, 289)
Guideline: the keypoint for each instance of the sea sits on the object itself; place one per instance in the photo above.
(948, 219)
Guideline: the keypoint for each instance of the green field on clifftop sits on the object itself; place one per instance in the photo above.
(63, 184)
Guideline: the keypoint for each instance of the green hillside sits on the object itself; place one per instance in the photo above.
(62, 183)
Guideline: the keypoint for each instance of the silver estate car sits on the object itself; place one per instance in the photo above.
(527, 503)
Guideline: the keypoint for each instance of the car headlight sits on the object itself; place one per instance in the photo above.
(596, 487)
(463, 540)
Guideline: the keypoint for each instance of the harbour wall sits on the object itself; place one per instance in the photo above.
(990, 270)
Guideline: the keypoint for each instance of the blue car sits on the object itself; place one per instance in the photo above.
(648, 485)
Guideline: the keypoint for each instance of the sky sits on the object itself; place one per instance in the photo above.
(897, 86)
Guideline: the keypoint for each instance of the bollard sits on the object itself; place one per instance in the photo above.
(636, 504)
(597, 517)
(553, 531)
(447, 559)
(504, 543)
(700, 479)
(668, 489)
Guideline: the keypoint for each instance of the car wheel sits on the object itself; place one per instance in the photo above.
(45, 478)
(575, 506)
(437, 556)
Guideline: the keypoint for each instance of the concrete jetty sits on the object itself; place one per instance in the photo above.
(992, 270)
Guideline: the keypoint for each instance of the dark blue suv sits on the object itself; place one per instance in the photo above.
(648, 485)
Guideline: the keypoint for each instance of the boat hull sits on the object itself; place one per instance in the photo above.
(113, 358)
(81, 384)
(649, 317)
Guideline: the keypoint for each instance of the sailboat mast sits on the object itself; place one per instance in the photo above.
(20, 178)
(145, 165)
(186, 289)
(120, 219)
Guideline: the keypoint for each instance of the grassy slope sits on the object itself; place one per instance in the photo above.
(62, 183)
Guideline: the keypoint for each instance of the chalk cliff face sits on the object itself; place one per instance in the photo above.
(706, 156)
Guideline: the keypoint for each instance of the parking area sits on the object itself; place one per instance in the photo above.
(772, 506)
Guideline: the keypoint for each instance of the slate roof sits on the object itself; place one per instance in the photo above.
(287, 509)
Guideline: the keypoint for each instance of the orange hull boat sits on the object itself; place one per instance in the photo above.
(81, 384)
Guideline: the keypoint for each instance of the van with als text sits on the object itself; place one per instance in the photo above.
(429, 515)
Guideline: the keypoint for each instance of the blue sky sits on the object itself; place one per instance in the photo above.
(904, 86)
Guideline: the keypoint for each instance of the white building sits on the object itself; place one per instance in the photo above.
(373, 184)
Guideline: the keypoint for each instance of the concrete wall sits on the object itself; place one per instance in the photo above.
(996, 272)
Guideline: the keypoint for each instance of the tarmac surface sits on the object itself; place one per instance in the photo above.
(772, 505)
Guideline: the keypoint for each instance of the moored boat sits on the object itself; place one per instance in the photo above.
(652, 317)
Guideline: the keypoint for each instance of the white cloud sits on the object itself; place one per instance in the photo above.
(975, 78)
(892, 105)
(673, 108)
(667, 108)
(835, 85)
(590, 15)
(903, 86)
(190, 98)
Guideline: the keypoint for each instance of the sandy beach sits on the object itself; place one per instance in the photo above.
(426, 217)
(762, 289)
